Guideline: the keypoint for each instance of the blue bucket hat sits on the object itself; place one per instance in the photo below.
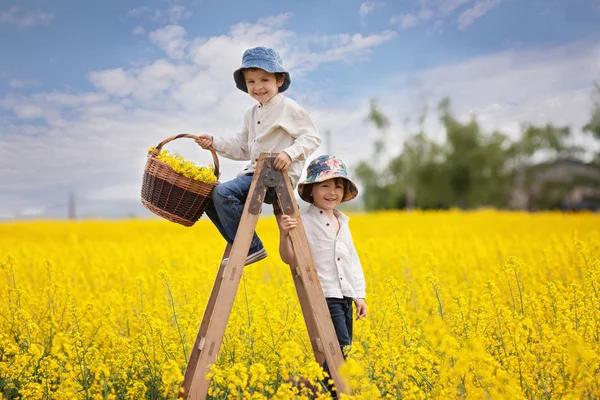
(264, 58)
(324, 168)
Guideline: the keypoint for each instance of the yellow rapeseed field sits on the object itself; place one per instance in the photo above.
(480, 304)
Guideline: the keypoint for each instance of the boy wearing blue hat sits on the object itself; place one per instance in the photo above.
(276, 124)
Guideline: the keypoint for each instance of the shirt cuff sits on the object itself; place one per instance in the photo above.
(361, 295)
(292, 152)
(217, 143)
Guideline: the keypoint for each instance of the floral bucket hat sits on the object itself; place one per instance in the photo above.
(264, 58)
(324, 168)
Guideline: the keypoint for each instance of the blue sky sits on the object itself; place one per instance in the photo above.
(86, 87)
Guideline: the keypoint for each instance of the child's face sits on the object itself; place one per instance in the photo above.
(328, 194)
(262, 85)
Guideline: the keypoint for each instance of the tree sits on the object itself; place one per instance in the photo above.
(378, 192)
(593, 126)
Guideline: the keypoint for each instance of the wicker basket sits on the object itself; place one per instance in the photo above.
(171, 195)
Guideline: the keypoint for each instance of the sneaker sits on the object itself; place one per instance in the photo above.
(252, 258)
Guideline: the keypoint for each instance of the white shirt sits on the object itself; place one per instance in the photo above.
(335, 257)
(276, 126)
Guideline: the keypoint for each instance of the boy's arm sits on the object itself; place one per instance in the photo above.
(306, 135)
(359, 275)
(286, 251)
(234, 148)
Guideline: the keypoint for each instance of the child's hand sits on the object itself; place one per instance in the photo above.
(204, 141)
(287, 223)
(282, 161)
(361, 308)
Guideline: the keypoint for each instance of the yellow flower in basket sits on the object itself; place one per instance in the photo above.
(187, 168)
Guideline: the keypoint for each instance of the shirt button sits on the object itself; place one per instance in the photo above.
(256, 159)
(328, 224)
(258, 122)
(341, 279)
(339, 259)
(321, 212)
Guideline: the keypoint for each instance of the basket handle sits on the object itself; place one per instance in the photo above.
(157, 149)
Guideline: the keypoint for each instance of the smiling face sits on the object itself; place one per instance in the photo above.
(328, 194)
(262, 85)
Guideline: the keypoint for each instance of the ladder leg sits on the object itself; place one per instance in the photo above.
(201, 336)
(323, 338)
(229, 285)
(309, 320)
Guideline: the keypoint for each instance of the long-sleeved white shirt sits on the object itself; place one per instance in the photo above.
(276, 126)
(337, 263)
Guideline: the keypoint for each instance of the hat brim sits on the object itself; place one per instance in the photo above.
(350, 194)
(240, 82)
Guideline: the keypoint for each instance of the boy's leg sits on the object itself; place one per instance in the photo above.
(228, 200)
(338, 309)
(211, 212)
(349, 320)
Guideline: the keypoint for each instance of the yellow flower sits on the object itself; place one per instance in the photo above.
(187, 168)
(461, 305)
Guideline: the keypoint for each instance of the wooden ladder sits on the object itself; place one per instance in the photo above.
(308, 288)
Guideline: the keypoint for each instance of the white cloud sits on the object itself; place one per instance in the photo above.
(19, 83)
(367, 7)
(437, 28)
(426, 14)
(31, 211)
(463, 11)
(448, 6)
(172, 15)
(136, 12)
(138, 30)
(113, 81)
(405, 21)
(178, 13)
(27, 19)
(276, 20)
(128, 191)
(357, 45)
(479, 9)
(171, 39)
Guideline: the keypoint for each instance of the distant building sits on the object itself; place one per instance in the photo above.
(561, 184)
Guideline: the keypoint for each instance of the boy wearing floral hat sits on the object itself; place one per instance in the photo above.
(276, 124)
(336, 260)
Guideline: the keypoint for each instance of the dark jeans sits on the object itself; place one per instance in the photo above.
(341, 315)
(225, 211)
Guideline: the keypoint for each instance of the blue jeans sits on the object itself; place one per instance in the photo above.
(225, 211)
(341, 315)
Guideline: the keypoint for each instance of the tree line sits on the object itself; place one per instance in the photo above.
(471, 168)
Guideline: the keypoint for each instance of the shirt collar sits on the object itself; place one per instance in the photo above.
(314, 210)
(272, 101)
